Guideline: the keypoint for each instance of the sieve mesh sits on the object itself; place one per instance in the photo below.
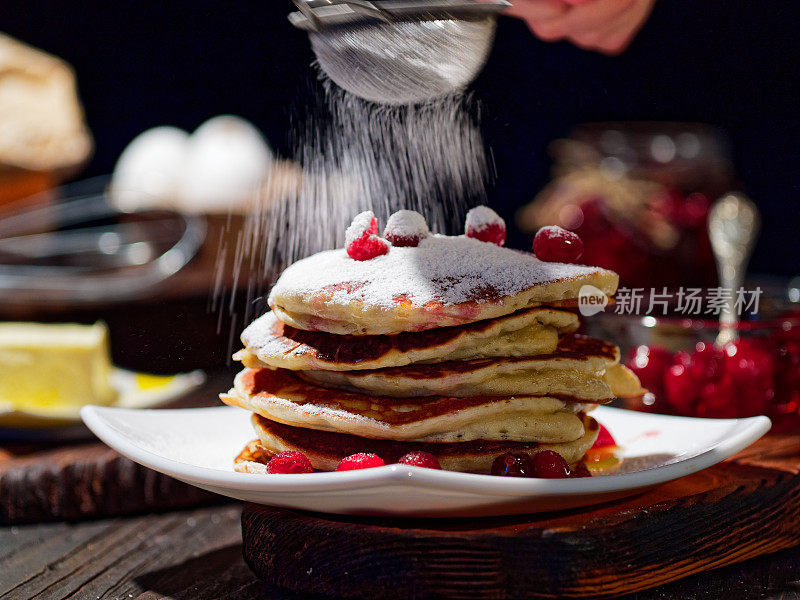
(405, 62)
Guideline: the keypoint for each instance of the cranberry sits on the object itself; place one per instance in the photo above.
(406, 228)
(718, 399)
(750, 364)
(289, 461)
(550, 465)
(706, 362)
(604, 438)
(512, 464)
(485, 225)
(581, 470)
(360, 461)
(420, 459)
(680, 389)
(554, 244)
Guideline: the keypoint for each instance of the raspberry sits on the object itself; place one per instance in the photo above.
(364, 222)
(289, 462)
(361, 238)
(420, 459)
(368, 247)
(604, 439)
(360, 461)
(512, 465)
(406, 228)
(485, 225)
(548, 464)
(554, 244)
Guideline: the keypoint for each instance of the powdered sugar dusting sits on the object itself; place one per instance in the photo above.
(442, 269)
(406, 223)
(481, 217)
(362, 222)
(406, 228)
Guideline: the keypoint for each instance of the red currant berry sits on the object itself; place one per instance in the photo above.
(512, 464)
(290, 461)
(485, 225)
(360, 461)
(554, 244)
(406, 228)
(550, 465)
(420, 459)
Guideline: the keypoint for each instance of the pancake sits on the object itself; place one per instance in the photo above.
(445, 281)
(281, 396)
(326, 449)
(270, 343)
(577, 368)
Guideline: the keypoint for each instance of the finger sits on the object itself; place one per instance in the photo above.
(597, 15)
(617, 36)
(538, 10)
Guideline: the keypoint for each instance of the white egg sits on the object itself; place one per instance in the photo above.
(226, 161)
(148, 171)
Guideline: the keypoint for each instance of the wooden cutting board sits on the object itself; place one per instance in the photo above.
(89, 480)
(744, 507)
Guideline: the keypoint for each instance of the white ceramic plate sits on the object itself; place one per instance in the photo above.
(136, 390)
(198, 446)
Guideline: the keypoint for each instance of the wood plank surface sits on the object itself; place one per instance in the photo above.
(197, 555)
(734, 511)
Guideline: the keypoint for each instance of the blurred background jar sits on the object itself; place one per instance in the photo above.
(638, 195)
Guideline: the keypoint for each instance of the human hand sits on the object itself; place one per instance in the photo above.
(606, 26)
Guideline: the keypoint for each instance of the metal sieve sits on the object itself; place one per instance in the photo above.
(400, 51)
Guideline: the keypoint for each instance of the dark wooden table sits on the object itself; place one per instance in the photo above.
(196, 555)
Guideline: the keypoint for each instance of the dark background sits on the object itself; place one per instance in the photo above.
(729, 63)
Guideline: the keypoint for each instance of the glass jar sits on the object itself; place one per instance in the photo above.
(638, 195)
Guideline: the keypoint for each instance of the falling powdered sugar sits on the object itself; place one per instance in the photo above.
(353, 156)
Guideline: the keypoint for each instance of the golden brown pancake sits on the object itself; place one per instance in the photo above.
(444, 281)
(270, 343)
(326, 449)
(281, 396)
(576, 368)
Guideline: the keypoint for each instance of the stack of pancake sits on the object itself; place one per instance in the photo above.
(456, 347)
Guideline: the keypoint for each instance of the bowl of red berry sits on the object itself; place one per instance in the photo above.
(688, 372)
